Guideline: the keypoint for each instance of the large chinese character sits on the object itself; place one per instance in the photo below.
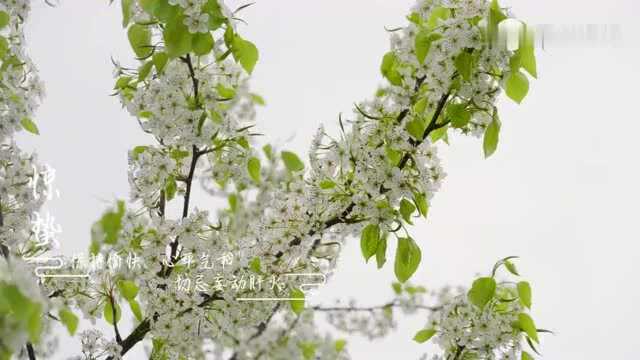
(45, 230)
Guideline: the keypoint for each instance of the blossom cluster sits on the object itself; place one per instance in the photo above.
(21, 196)
(23, 191)
(191, 94)
(20, 87)
(489, 321)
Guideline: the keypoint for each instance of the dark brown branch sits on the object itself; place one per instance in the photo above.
(143, 328)
(342, 218)
(114, 314)
(30, 352)
(162, 204)
(136, 336)
(433, 126)
(192, 170)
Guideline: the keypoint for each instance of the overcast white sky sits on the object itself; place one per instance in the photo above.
(561, 191)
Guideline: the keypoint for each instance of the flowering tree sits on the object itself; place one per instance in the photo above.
(233, 284)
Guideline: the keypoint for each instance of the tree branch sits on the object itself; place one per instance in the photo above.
(143, 328)
(30, 352)
(115, 319)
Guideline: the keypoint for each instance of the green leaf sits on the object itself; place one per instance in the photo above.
(140, 40)
(128, 289)
(28, 313)
(245, 53)
(94, 247)
(226, 92)
(228, 37)
(166, 12)
(253, 165)
(524, 293)
(421, 203)
(4, 47)
(393, 156)
(525, 56)
(389, 68)
(5, 354)
(340, 345)
(216, 18)
(528, 326)
(491, 138)
(108, 312)
(420, 106)
(327, 184)
(369, 240)
(258, 100)
(123, 82)
(29, 126)
(177, 39)
(416, 128)
(170, 189)
(135, 309)
(440, 134)
(144, 70)
(415, 18)
(126, 12)
(408, 257)
(423, 42)
(381, 252)
(111, 223)
(439, 13)
(308, 350)
(526, 356)
(517, 86)
(291, 161)
(139, 150)
(482, 291)
(69, 319)
(34, 322)
(297, 306)
(397, 288)
(406, 210)
(160, 60)
(178, 155)
(233, 202)
(459, 115)
(465, 63)
(202, 43)
(424, 335)
(4, 19)
(495, 17)
(511, 267)
(148, 5)
(268, 151)
(411, 290)
(255, 265)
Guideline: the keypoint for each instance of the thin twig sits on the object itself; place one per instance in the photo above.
(30, 352)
